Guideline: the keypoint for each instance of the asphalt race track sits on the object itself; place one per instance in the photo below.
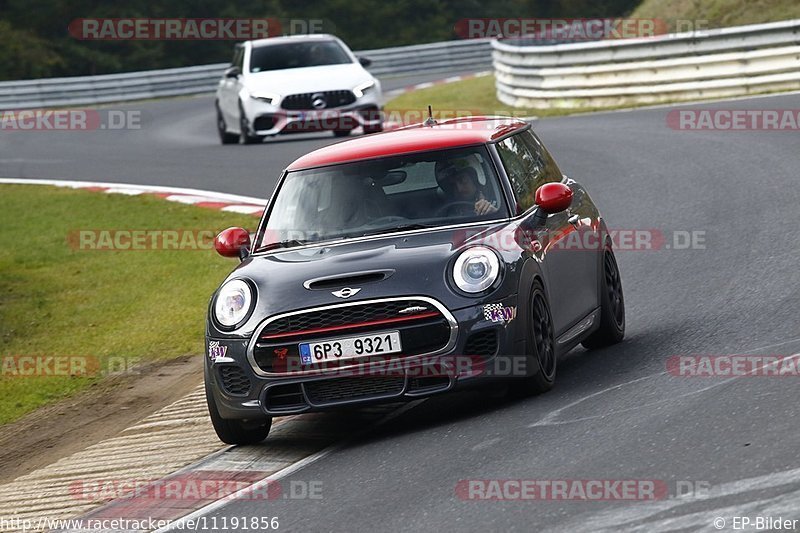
(615, 414)
(175, 144)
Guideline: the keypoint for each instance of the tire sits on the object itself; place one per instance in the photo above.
(341, 133)
(239, 432)
(244, 128)
(222, 130)
(373, 129)
(612, 306)
(541, 346)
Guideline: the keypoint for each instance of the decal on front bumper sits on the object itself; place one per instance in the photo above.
(499, 313)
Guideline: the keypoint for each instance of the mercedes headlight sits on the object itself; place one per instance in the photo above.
(269, 98)
(476, 269)
(233, 304)
(361, 90)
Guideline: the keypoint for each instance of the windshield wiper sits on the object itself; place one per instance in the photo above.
(395, 229)
(288, 243)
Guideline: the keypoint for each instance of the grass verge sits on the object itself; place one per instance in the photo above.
(473, 96)
(100, 311)
(718, 13)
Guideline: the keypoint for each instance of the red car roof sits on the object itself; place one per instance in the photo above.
(417, 138)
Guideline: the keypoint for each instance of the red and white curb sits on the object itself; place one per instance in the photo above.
(232, 203)
(451, 79)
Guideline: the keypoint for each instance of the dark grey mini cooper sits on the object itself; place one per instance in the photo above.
(406, 264)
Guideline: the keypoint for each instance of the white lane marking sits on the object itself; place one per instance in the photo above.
(294, 467)
(486, 444)
(616, 519)
(550, 419)
(233, 198)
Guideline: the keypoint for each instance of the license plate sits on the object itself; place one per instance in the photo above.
(312, 353)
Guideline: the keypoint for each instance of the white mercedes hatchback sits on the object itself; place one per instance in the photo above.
(296, 84)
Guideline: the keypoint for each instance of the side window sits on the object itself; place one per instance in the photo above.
(238, 58)
(525, 167)
(551, 171)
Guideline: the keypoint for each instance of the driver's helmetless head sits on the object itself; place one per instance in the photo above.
(458, 182)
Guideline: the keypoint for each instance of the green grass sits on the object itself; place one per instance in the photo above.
(473, 96)
(718, 13)
(56, 300)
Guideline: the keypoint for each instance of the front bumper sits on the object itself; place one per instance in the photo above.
(266, 119)
(488, 346)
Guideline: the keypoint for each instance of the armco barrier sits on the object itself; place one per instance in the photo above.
(685, 66)
(88, 90)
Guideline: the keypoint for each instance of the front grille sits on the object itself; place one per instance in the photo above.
(423, 329)
(331, 98)
(234, 380)
(353, 388)
(344, 316)
(483, 343)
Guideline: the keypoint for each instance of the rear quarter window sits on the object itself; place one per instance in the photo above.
(528, 166)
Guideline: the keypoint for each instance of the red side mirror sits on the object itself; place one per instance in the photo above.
(229, 242)
(553, 197)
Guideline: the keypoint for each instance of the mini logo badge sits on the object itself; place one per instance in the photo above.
(347, 292)
(215, 350)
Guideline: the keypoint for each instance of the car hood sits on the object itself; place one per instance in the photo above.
(308, 79)
(417, 264)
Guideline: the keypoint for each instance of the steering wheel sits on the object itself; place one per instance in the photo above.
(442, 211)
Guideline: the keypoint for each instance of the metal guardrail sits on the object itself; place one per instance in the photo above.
(89, 90)
(685, 66)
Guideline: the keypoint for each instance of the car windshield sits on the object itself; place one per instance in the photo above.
(412, 191)
(297, 55)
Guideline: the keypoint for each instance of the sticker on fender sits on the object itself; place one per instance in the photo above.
(499, 313)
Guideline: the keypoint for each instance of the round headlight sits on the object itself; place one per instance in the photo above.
(476, 269)
(233, 303)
